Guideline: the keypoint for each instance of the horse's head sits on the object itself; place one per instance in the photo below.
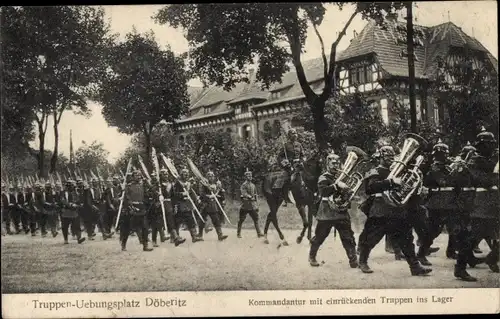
(312, 169)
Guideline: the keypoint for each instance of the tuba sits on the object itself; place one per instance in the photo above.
(411, 179)
(352, 180)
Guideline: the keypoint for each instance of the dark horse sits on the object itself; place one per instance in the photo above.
(303, 187)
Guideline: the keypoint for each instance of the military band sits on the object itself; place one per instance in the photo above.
(459, 194)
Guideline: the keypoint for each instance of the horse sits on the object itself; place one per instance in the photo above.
(303, 187)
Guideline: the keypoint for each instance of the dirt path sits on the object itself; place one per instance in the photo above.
(46, 265)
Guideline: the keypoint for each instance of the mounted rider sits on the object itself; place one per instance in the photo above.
(290, 159)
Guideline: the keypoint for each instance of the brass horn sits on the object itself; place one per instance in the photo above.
(411, 179)
(353, 180)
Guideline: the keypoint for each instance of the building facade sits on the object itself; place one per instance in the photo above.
(376, 59)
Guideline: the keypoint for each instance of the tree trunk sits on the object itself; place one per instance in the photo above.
(41, 151)
(320, 125)
(53, 160)
(147, 138)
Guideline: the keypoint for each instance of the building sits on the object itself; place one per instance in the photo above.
(376, 58)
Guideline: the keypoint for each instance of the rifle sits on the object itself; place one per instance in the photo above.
(175, 174)
(123, 192)
(205, 183)
(160, 198)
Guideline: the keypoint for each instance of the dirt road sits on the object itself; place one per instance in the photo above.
(46, 265)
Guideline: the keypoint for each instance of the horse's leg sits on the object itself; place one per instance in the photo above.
(271, 202)
(302, 211)
(274, 220)
(310, 221)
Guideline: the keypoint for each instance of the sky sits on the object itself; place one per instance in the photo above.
(476, 18)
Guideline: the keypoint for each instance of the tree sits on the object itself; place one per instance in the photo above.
(224, 38)
(145, 85)
(352, 121)
(469, 98)
(53, 55)
(93, 156)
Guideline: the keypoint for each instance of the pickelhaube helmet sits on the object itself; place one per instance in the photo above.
(440, 147)
(485, 136)
(248, 172)
(210, 174)
(48, 184)
(468, 148)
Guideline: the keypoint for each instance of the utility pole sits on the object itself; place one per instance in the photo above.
(411, 66)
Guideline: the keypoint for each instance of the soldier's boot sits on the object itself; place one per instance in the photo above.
(81, 240)
(238, 231)
(421, 256)
(492, 258)
(363, 261)
(398, 254)
(123, 245)
(416, 269)
(200, 231)
(313, 251)
(177, 240)
(207, 229)
(257, 229)
(473, 261)
(432, 250)
(163, 238)
(353, 258)
(145, 246)
(155, 244)
(477, 250)
(219, 234)
(194, 236)
(451, 253)
(462, 274)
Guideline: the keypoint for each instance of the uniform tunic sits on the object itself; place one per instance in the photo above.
(248, 196)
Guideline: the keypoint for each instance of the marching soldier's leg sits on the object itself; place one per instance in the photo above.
(464, 246)
(254, 214)
(141, 223)
(32, 219)
(322, 230)
(189, 219)
(388, 245)
(201, 224)
(374, 231)
(25, 221)
(243, 216)
(348, 242)
(176, 220)
(53, 224)
(154, 229)
(44, 223)
(492, 235)
(218, 228)
(124, 231)
(402, 231)
(16, 219)
(65, 223)
(75, 225)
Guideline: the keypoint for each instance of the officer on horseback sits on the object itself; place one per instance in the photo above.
(289, 159)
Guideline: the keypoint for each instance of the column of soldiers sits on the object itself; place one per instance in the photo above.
(460, 193)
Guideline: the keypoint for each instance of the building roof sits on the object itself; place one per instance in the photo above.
(373, 40)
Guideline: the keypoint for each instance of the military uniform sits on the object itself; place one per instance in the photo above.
(330, 215)
(50, 211)
(181, 191)
(111, 202)
(384, 219)
(70, 206)
(6, 210)
(208, 194)
(288, 158)
(134, 215)
(248, 195)
(155, 213)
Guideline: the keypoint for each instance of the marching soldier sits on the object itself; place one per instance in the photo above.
(5, 210)
(49, 211)
(481, 208)
(209, 193)
(166, 190)
(291, 156)
(440, 200)
(155, 212)
(383, 218)
(38, 205)
(88, 209)
(98, 209)
(330, 215)
(21, 201)
(70, 212)
(248, 195)
(182, 190)
(134, 214)
(15, 211)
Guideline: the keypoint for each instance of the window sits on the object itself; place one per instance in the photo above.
(360, 75)
(244, 108)
(229, 130)
(384, 111)
(206, 109)
(276, 128)
(181, 139)
(406, 103)
(246, 132)
(436, 114)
